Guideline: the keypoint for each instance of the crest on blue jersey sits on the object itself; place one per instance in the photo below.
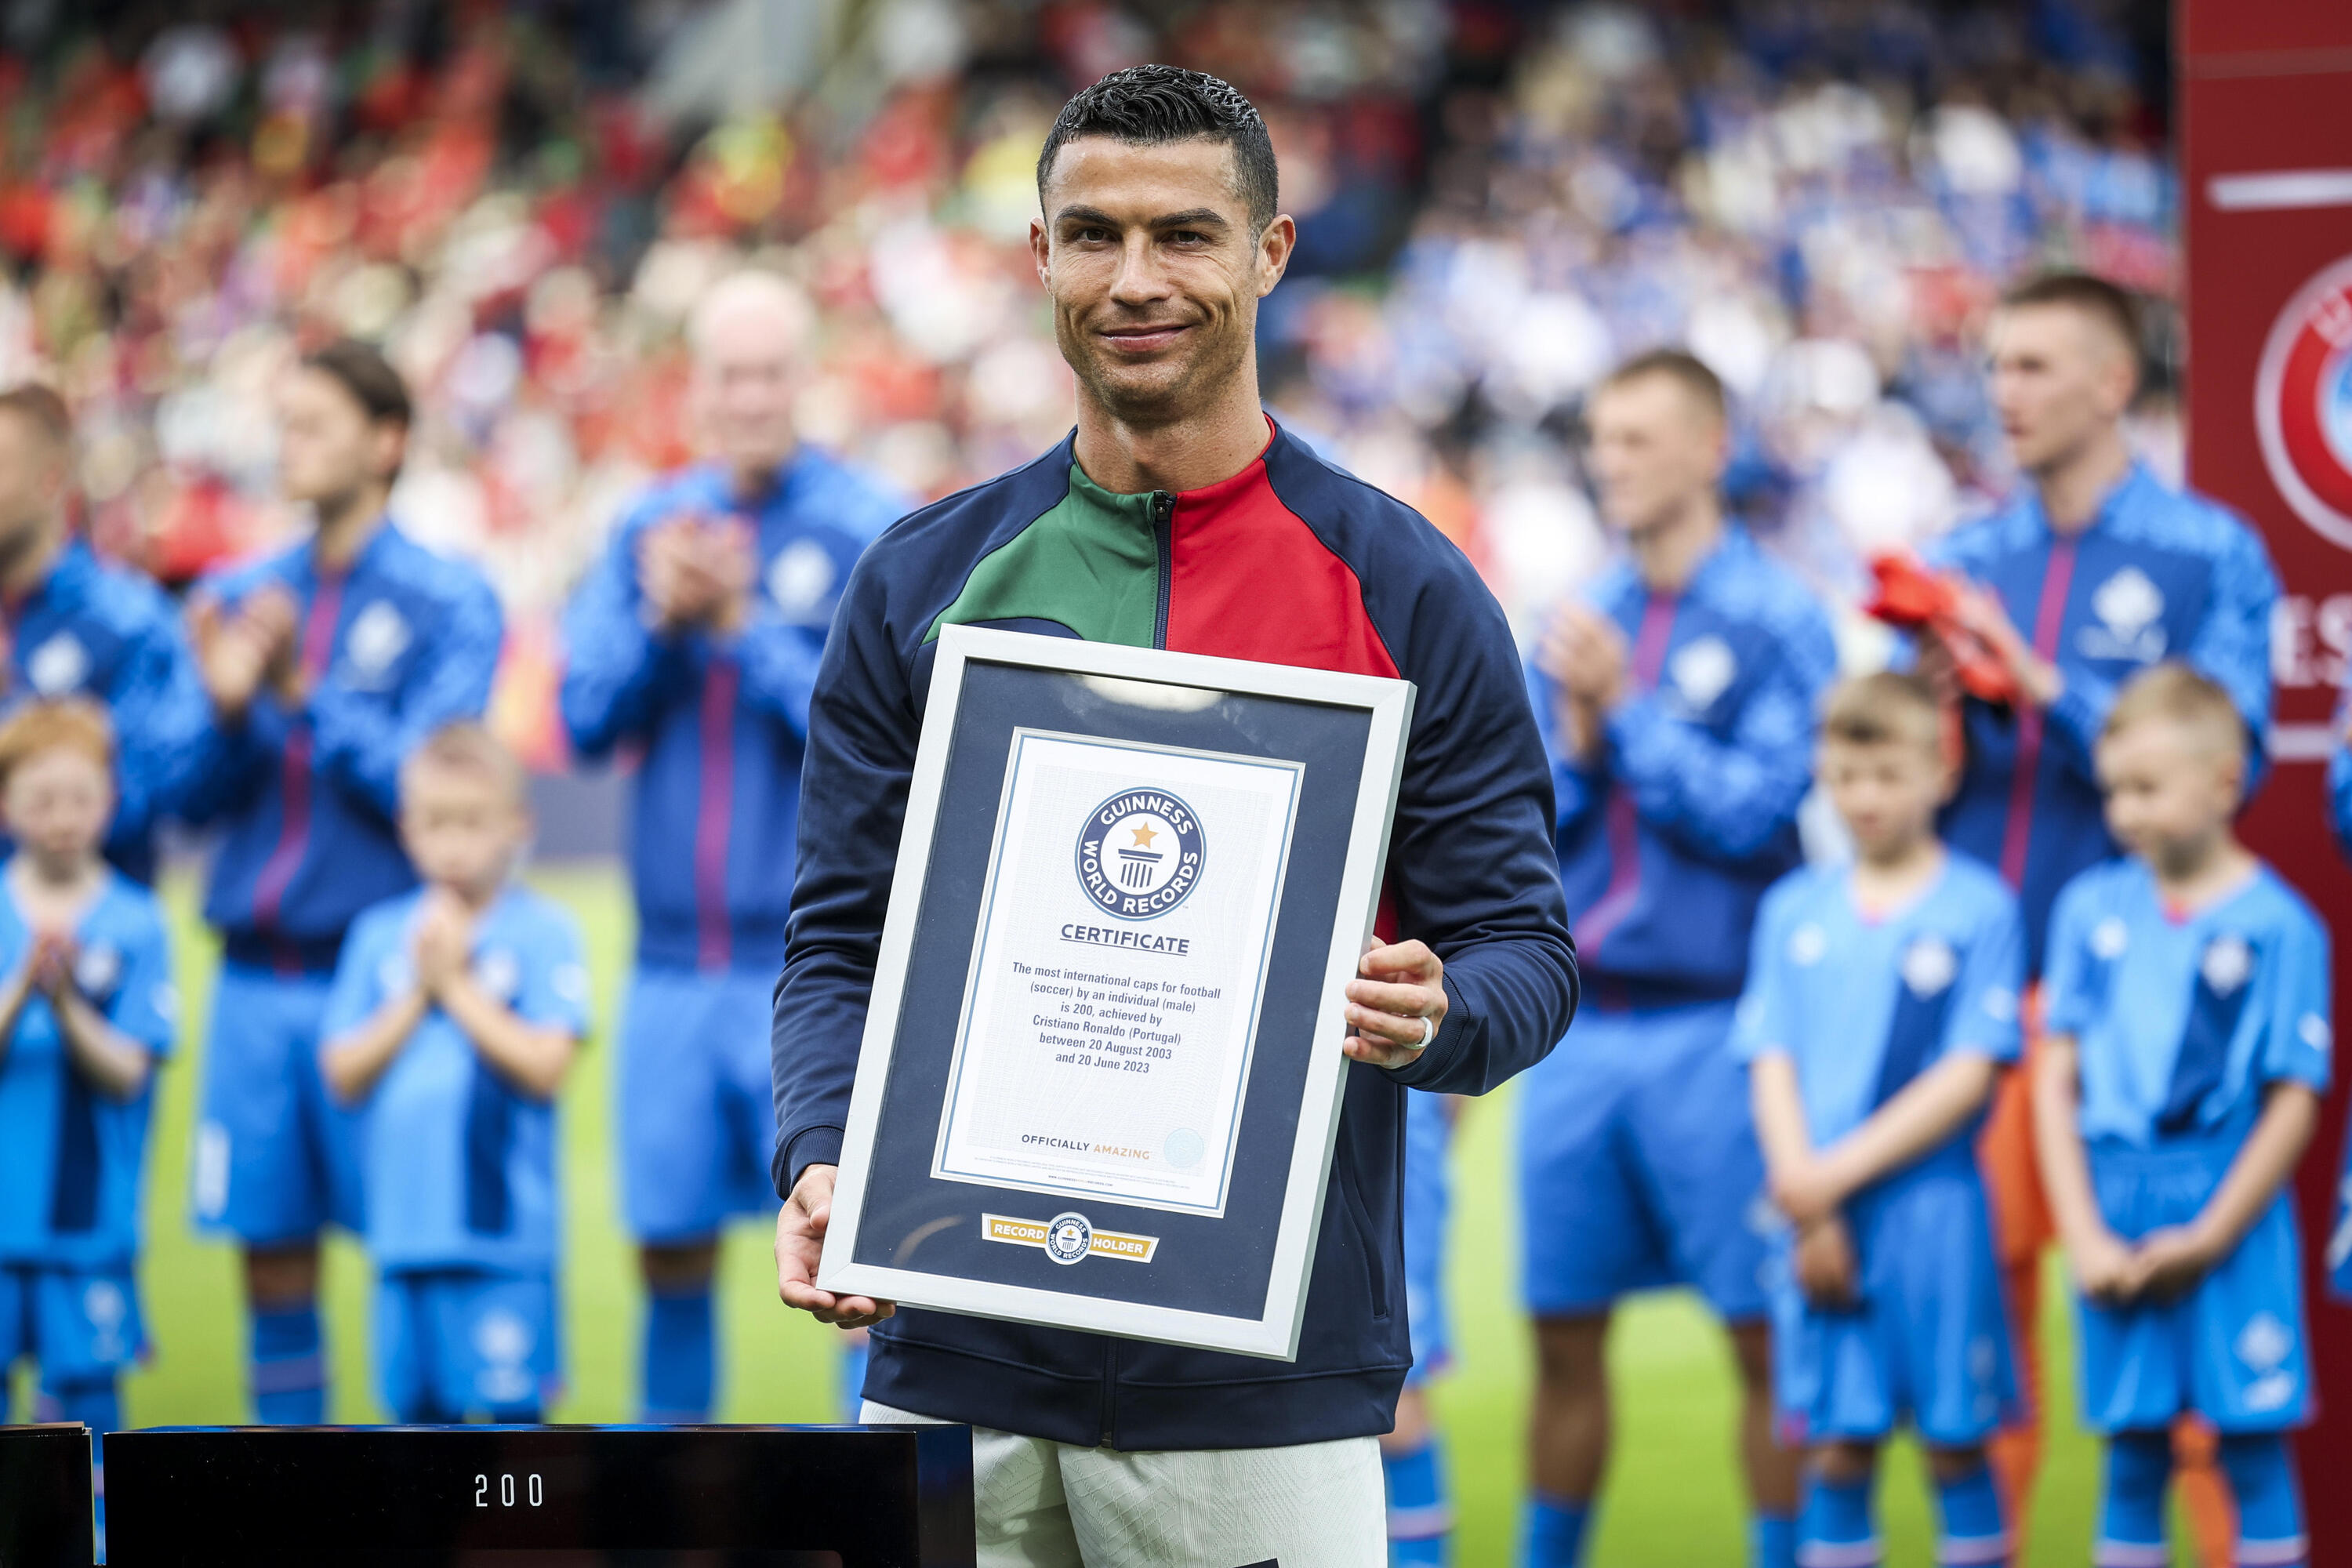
(1702, 670)
(2227, 963)
(2130, 625)
(1140, 854)
(58, 666)
(799, 578)
(1929, 967)
(379, 635)
(97, 970)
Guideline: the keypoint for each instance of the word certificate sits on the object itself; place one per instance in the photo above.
(1112, 1006)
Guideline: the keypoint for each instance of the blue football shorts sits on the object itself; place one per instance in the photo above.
(1638, 1165)
(451, 1344)
(2235, 1348)
(79, 1325)
(697, 1108)
(275, 1158)
(1927, 1341)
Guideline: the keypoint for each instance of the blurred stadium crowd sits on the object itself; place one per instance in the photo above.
(1496, 201)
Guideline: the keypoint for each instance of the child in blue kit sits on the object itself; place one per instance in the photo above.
(87, 1009)
(2187, 995)
(1881, 1004)
(455, 1012)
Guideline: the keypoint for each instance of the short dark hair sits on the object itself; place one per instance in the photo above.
(1146, 106)
(43, 409)
(1682, 367)
(368, 376)
(2109, 304)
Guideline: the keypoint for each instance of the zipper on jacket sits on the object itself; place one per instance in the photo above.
(1163, 536)
(1109, 1413)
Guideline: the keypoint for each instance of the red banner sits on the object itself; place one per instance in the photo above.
(2266, 176)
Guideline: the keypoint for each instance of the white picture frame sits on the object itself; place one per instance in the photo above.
(1274, 1333)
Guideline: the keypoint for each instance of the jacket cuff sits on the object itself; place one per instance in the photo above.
(810, 1146)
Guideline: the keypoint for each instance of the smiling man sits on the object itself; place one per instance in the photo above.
(1178, 516)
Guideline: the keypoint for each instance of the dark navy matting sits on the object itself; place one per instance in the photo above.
(1232, 1281)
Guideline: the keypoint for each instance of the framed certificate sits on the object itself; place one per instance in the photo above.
(1101, 1072)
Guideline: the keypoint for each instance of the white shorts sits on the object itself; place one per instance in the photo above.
(1052, 1505)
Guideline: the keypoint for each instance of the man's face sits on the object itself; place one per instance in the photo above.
(32, 477)
(1154, 272)
(327, 447)
(745, 379)
(460, 829)
(2059, 378)
(1656, 451)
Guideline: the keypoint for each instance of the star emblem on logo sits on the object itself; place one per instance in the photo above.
(1144, 836)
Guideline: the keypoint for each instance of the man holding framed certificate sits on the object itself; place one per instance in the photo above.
(1176, 517)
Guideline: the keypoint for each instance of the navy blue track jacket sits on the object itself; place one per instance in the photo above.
(1288, 562)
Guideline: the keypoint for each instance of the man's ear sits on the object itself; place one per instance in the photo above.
(1275, 247)
(389, 442)
(1040, 248)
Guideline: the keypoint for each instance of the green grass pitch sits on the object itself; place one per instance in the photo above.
(1672, 1494)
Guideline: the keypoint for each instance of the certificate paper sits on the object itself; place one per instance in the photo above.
(1112, 1006)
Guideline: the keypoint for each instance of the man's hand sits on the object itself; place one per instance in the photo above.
(726, 554)
(1397, 989)
(2168, 1263)
(1806, 1191)
(800, 1243)
(238, 650)
(442, 944)
(1584, 653)
(697, 570)
(1827, 1269)
(1982, 613)
(2104, 1268)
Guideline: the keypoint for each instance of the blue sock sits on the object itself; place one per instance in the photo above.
(1834, 1529)
(98, 1406)
(681, 1356)
(2270, 1502)
(1772, 1540)
(2131, 1514)
(1551, 1533)
(856, 1350)
(289, 1373)
(1974, 1535)
(1419, 1519)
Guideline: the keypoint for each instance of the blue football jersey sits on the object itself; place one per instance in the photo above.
(721, 721)
(2159, 573)
(1864, 1003)
(70, 1155)
(2182, 1019)
(457, 1166)
(1668, 836)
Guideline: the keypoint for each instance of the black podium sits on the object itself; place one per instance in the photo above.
(44, 1517)
(540, 1497)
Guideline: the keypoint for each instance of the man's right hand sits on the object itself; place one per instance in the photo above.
(800, 1242)
(235, 648)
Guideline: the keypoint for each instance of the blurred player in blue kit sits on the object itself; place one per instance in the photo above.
(1882, 1004)
(1421, 1516)
(2337, 1260)
(2180, 1080)
(325, 662)
(87, 1011)
(2095, 571)
(693, 641)
(456, 1013)
(1677, 700)
(79, 627)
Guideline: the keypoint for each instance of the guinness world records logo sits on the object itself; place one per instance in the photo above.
(2303, 402)
(1139, 854)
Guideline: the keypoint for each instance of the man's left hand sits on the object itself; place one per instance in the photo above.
(1982, 612)
(1396, 1005)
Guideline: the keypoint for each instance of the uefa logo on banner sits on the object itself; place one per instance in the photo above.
(2303, 402)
